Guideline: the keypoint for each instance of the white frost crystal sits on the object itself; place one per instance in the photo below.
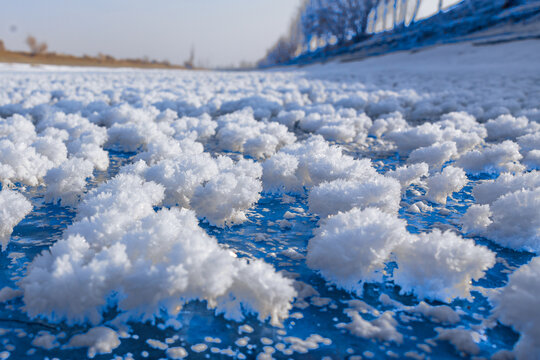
(13, 208)
(155, 260)
(516, 305)
(352, 248)
(443, 184)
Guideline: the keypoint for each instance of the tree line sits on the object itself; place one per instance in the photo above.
(321, 23)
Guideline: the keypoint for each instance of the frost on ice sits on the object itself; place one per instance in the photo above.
(510, 212)
(98, 340)
(26, 156)
(310, 163)
(351, 248)
(67, 182)
(517, 305)
(409, 174)
(194, 179)
(13, 208)
(240, 131)
(345, 177)
(120, 251)
(382, 328)
(329, 198)
(441, 265)
(445, 183)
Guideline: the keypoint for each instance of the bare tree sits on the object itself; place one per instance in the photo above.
(342, 20)
(2, 47)
(401, 13)
(385, 15)
(354, 15)
(35, 47)
(416, 8)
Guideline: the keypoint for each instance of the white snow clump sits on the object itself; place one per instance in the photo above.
(13, 208)
(120, 252)
(353, 247)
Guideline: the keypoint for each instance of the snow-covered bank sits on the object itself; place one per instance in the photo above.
(511, 57)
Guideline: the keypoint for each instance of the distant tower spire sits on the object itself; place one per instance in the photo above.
(190, 63)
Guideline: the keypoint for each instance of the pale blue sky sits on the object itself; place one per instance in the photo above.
(223, 31)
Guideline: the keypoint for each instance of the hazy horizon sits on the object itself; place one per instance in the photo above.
(222, 33)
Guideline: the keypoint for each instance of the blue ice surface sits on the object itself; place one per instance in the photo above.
(39, 230)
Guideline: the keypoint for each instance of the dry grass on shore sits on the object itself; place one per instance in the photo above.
(70, 60)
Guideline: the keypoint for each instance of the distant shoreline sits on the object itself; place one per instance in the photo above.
(21, 57)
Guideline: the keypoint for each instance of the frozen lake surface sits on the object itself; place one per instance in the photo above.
(388, 208)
